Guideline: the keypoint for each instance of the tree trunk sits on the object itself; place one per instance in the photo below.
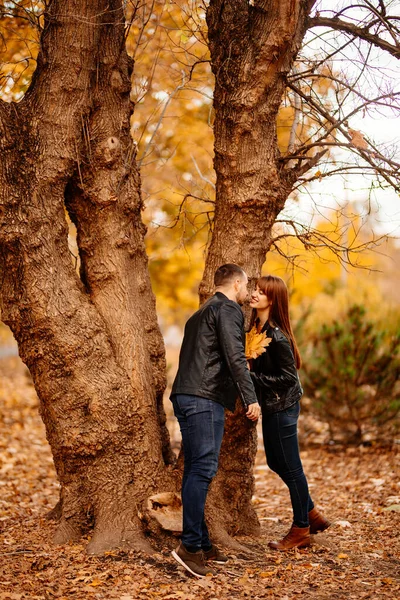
(252, 49)
(92, 344)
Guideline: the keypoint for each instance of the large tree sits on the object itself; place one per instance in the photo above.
(254, 52)
(90, 338)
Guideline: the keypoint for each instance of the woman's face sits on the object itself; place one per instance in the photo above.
(259, 299)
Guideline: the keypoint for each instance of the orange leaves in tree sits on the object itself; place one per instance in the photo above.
(256, 343)
(357, 139)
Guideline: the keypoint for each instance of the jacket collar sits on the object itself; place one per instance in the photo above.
(221, 296)
(267, 325)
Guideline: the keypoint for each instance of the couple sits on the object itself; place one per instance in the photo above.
(212, 372)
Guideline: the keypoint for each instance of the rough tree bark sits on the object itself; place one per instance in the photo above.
(253, 47)
(92, 343)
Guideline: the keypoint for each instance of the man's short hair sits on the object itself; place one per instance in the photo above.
(227, 273)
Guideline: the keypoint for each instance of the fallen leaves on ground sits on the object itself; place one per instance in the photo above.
(357, 558)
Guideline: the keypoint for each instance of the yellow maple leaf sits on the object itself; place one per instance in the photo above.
(256, 343)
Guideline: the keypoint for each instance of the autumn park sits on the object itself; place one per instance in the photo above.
(143, 144)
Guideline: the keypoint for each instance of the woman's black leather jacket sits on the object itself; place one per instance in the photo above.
(274, 374)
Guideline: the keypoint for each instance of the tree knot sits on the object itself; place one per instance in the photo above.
(111, 149)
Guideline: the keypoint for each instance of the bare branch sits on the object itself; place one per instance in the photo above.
(145, 21)
(311, 162)
(296, 119)
(156, 128)
(314, 240)
(203, 177)
(182, 211)
(342, 170)
(339, 125)
(356, 32)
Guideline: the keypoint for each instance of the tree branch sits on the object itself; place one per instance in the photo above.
(366, 154)
(357, 32)
(313, 240)
(156, 128)
(354, 169)
(300, 170)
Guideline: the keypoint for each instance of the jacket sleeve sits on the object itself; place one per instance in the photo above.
(230, 328)
(286, 372)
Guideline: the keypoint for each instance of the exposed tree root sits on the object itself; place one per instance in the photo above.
(67, 531)
(55, 513)
(105, 539)
(220, 536)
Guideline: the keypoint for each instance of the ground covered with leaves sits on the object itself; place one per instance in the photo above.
(358, 557)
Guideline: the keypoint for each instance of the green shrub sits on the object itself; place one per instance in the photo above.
(351, 373)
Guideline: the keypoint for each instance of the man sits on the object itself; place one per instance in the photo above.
(212, 373)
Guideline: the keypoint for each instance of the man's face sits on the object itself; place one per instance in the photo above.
(241, 289)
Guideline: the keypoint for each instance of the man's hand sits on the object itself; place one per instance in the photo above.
(253, 411)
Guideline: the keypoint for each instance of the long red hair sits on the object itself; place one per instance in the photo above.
(277, 293)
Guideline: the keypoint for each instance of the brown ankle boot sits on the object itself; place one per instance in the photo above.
(317, 521)
(298, 537)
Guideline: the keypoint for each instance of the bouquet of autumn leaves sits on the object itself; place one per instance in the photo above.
(256, 343)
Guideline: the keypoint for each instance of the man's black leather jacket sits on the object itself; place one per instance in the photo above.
(212, 363)
(274, 374)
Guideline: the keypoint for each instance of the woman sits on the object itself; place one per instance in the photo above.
(274, 374)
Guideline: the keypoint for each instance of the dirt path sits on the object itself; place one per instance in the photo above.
(358, 557)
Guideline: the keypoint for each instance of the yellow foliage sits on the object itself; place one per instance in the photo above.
(322, 285)
(19, 40)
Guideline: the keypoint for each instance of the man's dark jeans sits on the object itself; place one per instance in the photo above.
(202, 426)
(283, 456)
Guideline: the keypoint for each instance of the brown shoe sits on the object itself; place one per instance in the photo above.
(298, 537)
(192, 561)
(317, 521)
(215, 555)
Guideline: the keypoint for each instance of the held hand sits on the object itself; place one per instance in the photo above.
(253, 411)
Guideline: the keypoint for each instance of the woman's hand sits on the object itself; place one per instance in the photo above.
(253, 411)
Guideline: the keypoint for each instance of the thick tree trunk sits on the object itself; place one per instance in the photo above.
(252, 49)
(229, 508)
(92, 344)
(105, 203)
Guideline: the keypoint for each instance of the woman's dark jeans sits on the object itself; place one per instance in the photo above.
(202, 427)
(283, 456)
